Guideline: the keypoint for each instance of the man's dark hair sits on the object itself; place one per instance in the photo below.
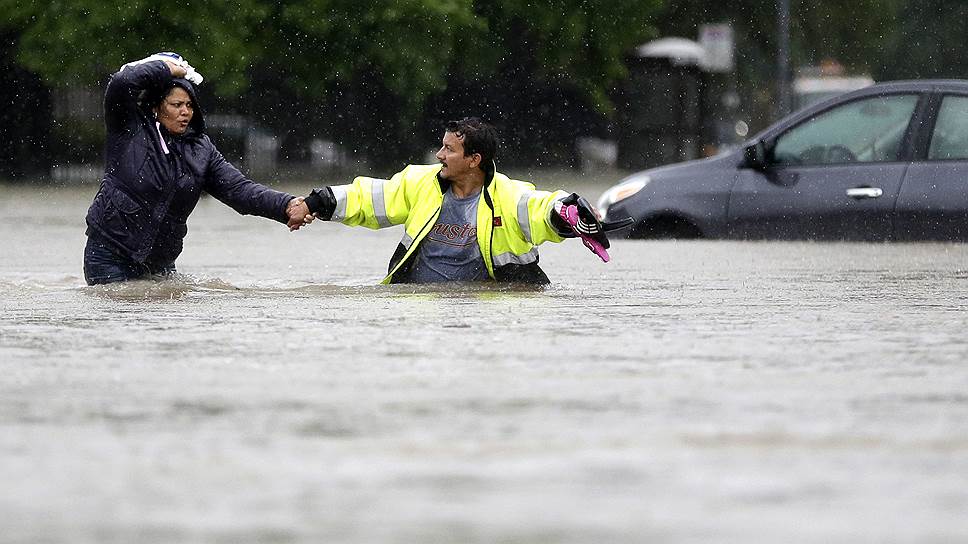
(477, 137)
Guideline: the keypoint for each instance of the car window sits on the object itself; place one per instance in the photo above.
(867, 130)
(950, 137)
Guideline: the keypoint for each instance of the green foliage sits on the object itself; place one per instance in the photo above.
(852, 33)
(410, 44)
(332, 65)
(80, 42)
(581, 43)
(928, 43)
(407, 43)
(414, 46)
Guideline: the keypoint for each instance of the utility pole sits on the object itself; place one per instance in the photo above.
(783, 58)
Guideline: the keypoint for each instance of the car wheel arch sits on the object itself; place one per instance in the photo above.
(666, 225)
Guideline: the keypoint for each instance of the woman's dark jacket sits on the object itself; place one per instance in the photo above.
(146, 195)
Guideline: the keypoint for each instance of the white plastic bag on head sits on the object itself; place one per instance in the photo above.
(174, 58)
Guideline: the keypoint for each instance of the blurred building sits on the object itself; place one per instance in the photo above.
(661, 107)
(814, 84)
(679, 101)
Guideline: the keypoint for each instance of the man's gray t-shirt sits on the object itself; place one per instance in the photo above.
(450, 251)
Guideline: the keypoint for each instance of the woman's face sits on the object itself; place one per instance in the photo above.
(175, 111)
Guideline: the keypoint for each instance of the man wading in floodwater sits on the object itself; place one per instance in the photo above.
(464, 221)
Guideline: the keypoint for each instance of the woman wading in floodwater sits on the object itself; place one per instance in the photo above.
(158, 160)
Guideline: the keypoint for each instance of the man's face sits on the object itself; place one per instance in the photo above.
(451, 155)
(176, 110)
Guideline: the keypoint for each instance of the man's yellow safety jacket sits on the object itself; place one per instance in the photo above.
(512, 218)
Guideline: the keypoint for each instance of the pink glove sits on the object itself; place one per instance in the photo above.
(591, 235)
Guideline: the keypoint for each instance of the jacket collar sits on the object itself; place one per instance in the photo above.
(489, 171)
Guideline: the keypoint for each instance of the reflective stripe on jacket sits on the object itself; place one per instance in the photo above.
(512, 218)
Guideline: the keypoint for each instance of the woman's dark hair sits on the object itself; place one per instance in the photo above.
(150, 99)
(477, 136)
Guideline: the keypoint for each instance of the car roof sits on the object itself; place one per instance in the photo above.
(890, 87)
(917, 85)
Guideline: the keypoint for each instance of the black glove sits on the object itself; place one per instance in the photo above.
(322, 203)
(588, 222)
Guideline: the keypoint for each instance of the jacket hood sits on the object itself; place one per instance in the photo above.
(197, 124)
(198, 119)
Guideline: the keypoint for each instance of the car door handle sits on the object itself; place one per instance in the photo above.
(864, 192)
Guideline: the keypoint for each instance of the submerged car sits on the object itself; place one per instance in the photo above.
(885, 163)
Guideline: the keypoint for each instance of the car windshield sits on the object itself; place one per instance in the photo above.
(866, 130)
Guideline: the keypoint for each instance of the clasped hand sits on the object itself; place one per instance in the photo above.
(298, 213)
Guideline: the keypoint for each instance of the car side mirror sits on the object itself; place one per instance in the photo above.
(755, 155)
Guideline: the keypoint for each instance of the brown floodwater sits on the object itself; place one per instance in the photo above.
(273, 392)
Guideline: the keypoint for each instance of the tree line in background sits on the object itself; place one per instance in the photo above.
(378, 78)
